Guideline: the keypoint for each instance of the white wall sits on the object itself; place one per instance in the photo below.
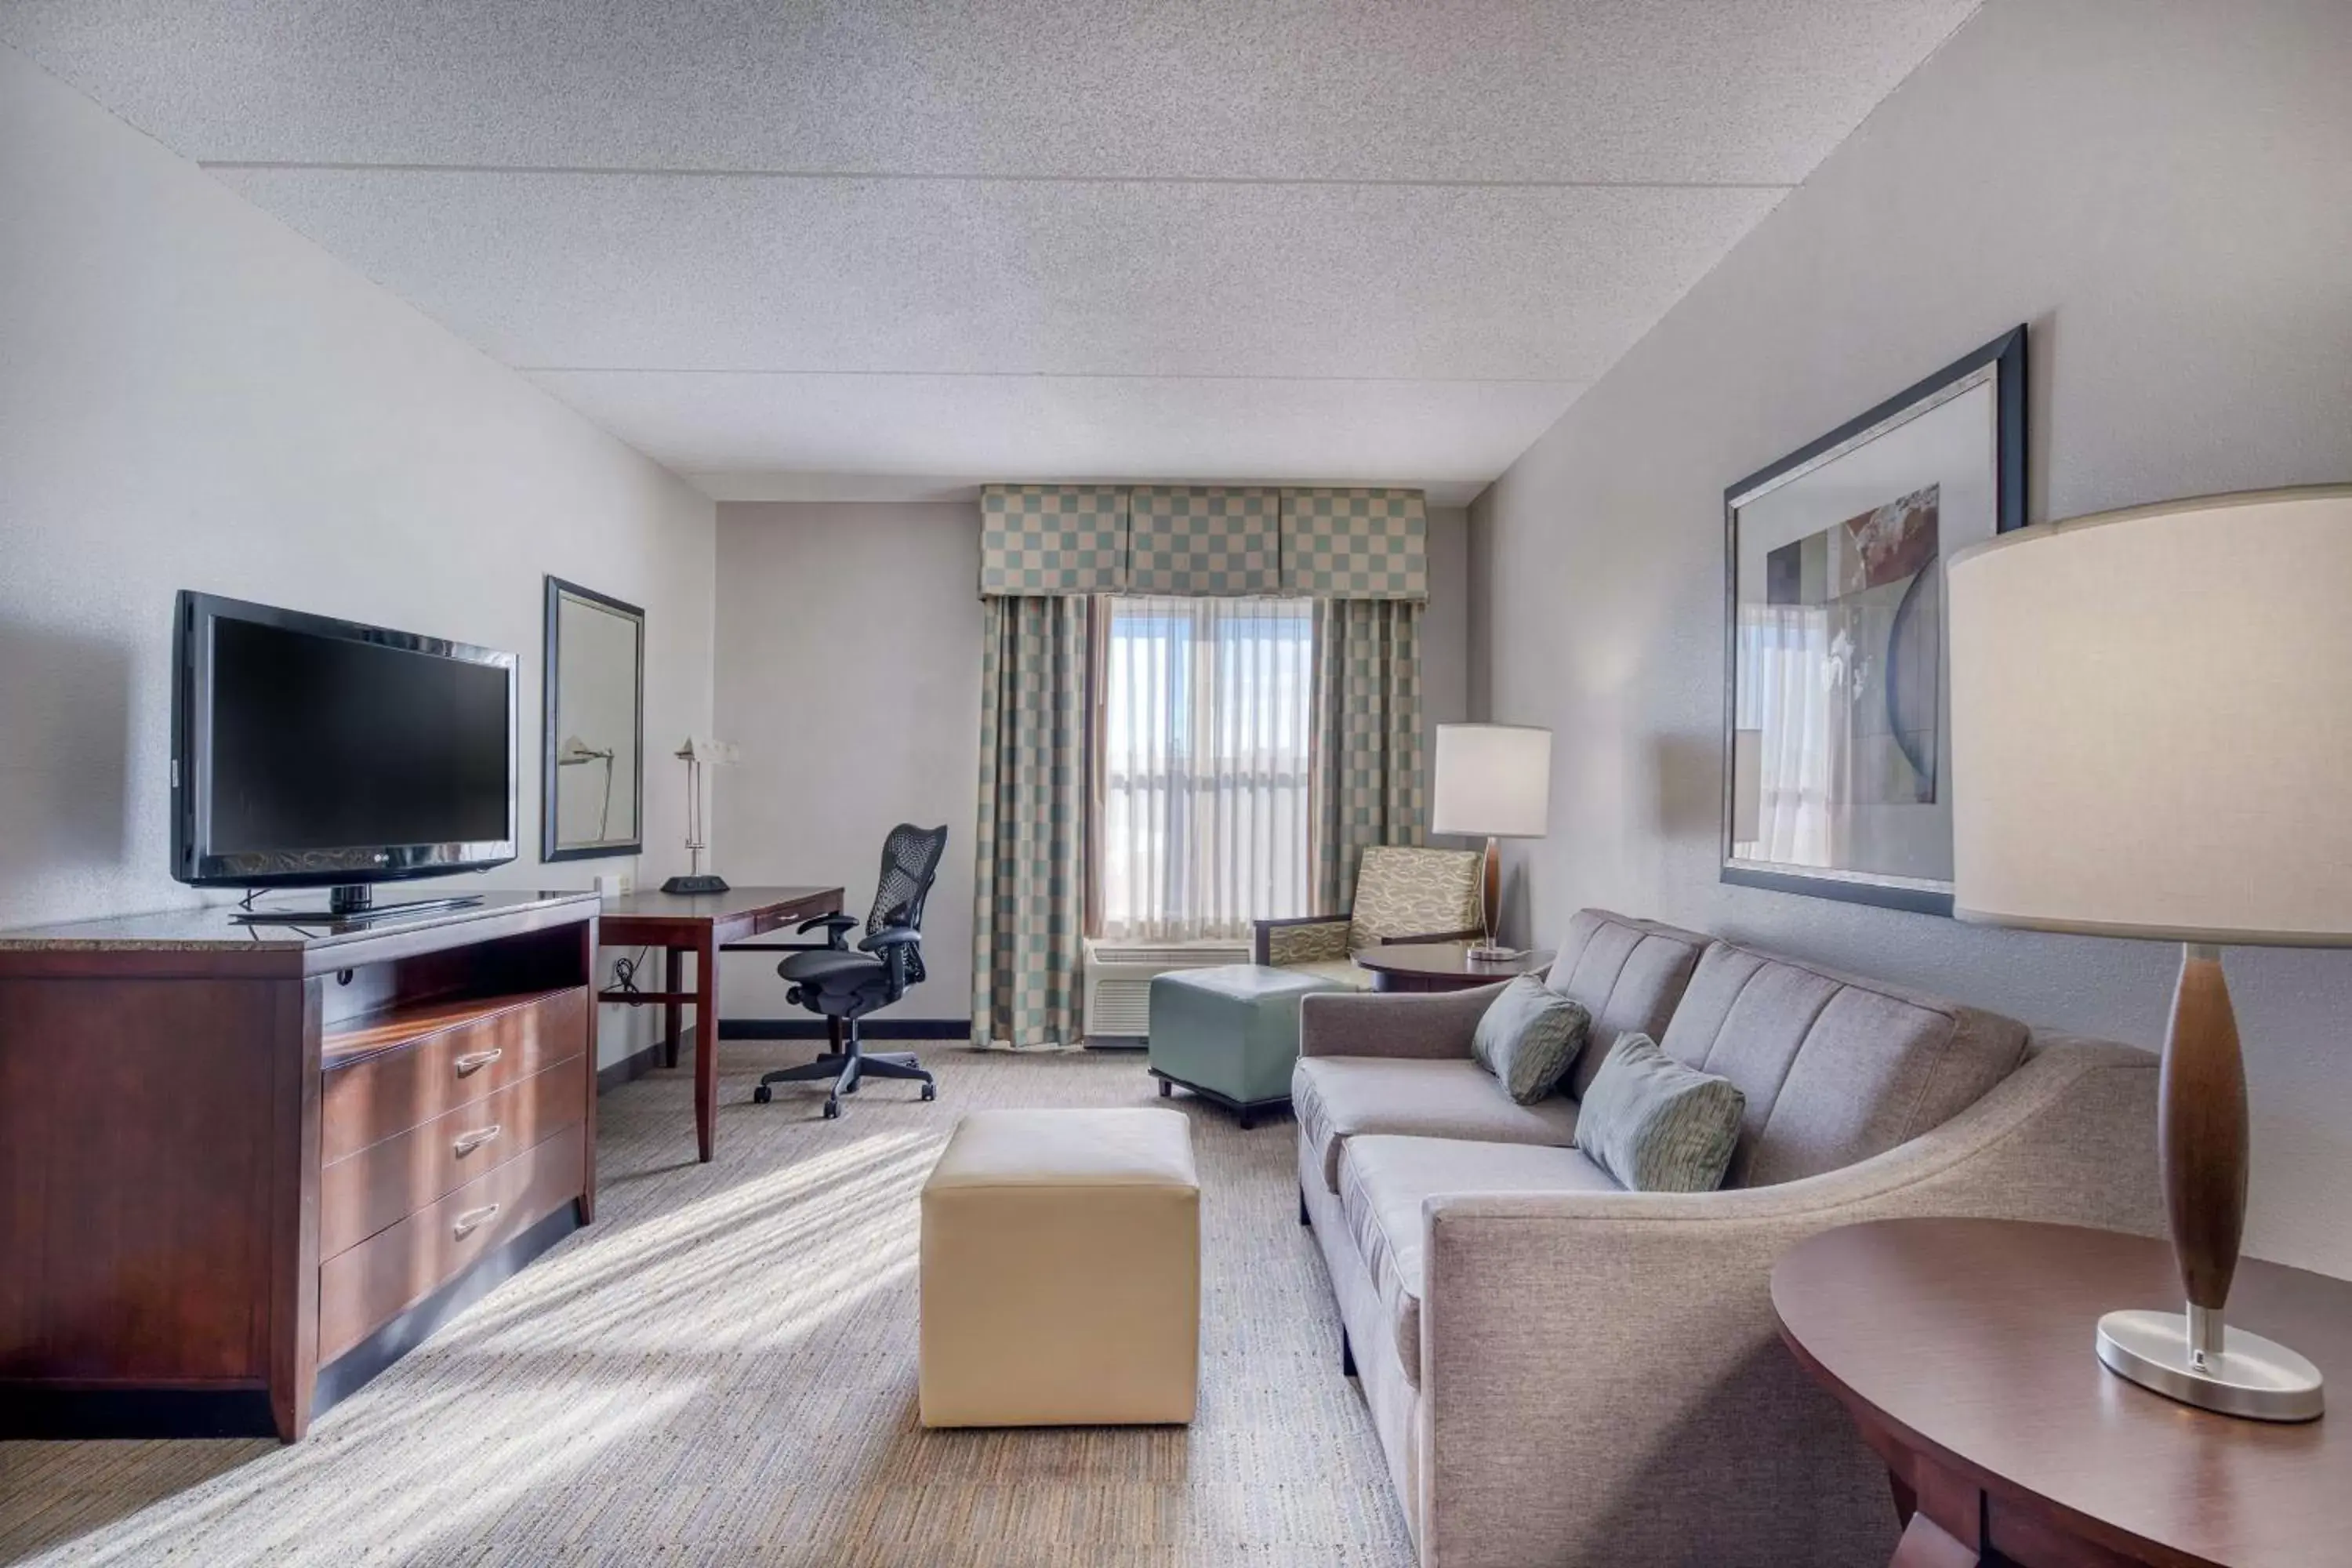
(192, 396)
(849, 673)
(2164, 191)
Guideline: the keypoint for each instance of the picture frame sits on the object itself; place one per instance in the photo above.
(593, 728)
(1836, 730)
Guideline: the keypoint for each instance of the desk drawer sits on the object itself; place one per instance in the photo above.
(365, 1286)
(363, 1193)
(377, 1096)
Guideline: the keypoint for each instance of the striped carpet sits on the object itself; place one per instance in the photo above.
(722, 1370)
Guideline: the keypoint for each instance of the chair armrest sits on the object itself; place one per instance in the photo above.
(1585, 1355)
(1426, 1024)
(1304, 939)
(889, 937)
(835, 926)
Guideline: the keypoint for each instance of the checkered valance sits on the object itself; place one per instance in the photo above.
(1050, 540)
(1214, 541)
(1355, 544)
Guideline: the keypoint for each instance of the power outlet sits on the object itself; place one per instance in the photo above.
(615, 884)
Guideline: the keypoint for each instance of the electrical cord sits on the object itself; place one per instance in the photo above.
(625, 974)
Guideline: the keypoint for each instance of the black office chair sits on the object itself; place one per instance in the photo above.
(845, 986)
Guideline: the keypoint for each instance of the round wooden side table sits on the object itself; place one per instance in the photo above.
(1441, 966)
(1963, 1349)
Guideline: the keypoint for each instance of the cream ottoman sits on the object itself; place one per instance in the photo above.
(1061, 1271)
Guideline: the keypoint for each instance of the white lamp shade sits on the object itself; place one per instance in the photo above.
(2152, 722)
(1493, 781)
(702, 749)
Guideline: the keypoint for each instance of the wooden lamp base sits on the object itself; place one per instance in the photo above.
(2203, 1139)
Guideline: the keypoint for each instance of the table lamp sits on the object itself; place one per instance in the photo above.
(1493, 781)
(2151, 733)
(693, 753)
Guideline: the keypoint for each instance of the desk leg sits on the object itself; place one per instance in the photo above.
(705, 1040)
(671, 1021)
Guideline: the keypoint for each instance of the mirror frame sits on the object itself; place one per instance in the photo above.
(550, 738)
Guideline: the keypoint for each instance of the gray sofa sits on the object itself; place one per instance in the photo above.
(1563, 1371)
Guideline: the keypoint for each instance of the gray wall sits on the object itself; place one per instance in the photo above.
(849, 674)
(194, 396)
(2164, 192)
(848, 671)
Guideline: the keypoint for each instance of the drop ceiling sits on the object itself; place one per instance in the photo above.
(896, 247)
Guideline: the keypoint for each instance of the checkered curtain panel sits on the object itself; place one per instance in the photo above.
(1053, 539)
(1355, 544)
(1370, 781)
(1203, 542)
(1030, 880)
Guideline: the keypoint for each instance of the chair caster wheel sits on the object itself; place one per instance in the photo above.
(930, 1091)
(761, 1095)
(832, 1108)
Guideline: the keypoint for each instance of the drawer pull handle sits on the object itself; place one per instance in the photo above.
(469, 1141)
(473, 1220)
(474, 1061)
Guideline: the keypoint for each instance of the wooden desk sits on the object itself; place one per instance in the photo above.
(701, 925)
(1963, 1349)
(1441, 966)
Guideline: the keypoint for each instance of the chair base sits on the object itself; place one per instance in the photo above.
(846, 1069)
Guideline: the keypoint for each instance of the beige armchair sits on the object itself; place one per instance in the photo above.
(1403, 893)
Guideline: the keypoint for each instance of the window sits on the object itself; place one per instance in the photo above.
(1203, 731)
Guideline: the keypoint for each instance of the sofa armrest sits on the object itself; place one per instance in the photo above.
(1589, 1359)
(1430, 1024)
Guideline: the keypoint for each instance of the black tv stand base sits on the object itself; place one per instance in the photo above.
(706, 882)
(354, 905)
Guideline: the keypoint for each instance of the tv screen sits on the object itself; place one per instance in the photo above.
(317, 751)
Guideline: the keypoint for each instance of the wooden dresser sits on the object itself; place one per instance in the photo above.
(243, 1168)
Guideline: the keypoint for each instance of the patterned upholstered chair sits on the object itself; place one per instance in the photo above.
(1402, 894)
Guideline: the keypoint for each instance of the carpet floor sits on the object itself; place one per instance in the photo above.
(721, 1369)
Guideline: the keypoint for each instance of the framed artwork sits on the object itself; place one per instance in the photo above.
(1837, 714)
(592, 762)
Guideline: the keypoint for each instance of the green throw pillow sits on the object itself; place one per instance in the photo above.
(1656, 1125)
(1528, 1036)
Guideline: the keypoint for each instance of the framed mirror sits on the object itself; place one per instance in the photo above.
(592, 766)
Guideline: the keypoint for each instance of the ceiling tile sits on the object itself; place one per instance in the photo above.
(656, 272)
(1065, 427)
(1337, 239)
(1433, 90)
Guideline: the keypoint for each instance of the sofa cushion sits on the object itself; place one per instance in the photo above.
(1629, 974)
(1383, 1181)
(1338, 1098)
(1528, 1038)
(1656, 1125)
(1835, 1068)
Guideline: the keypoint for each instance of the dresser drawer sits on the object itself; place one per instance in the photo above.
(361, 1194)
(369, 1095)
(365, 1286)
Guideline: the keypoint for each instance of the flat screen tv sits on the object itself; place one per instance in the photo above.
(308, 751)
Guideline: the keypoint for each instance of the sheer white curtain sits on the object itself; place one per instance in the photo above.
(1794, 689)
(1205, 726)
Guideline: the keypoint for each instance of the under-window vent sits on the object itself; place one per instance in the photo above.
(1119, 979)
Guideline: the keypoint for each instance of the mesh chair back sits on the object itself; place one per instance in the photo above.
(910, 860)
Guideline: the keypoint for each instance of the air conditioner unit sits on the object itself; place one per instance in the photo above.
(1119, 979)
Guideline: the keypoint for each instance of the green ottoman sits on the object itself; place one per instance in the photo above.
(1230, 1034)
